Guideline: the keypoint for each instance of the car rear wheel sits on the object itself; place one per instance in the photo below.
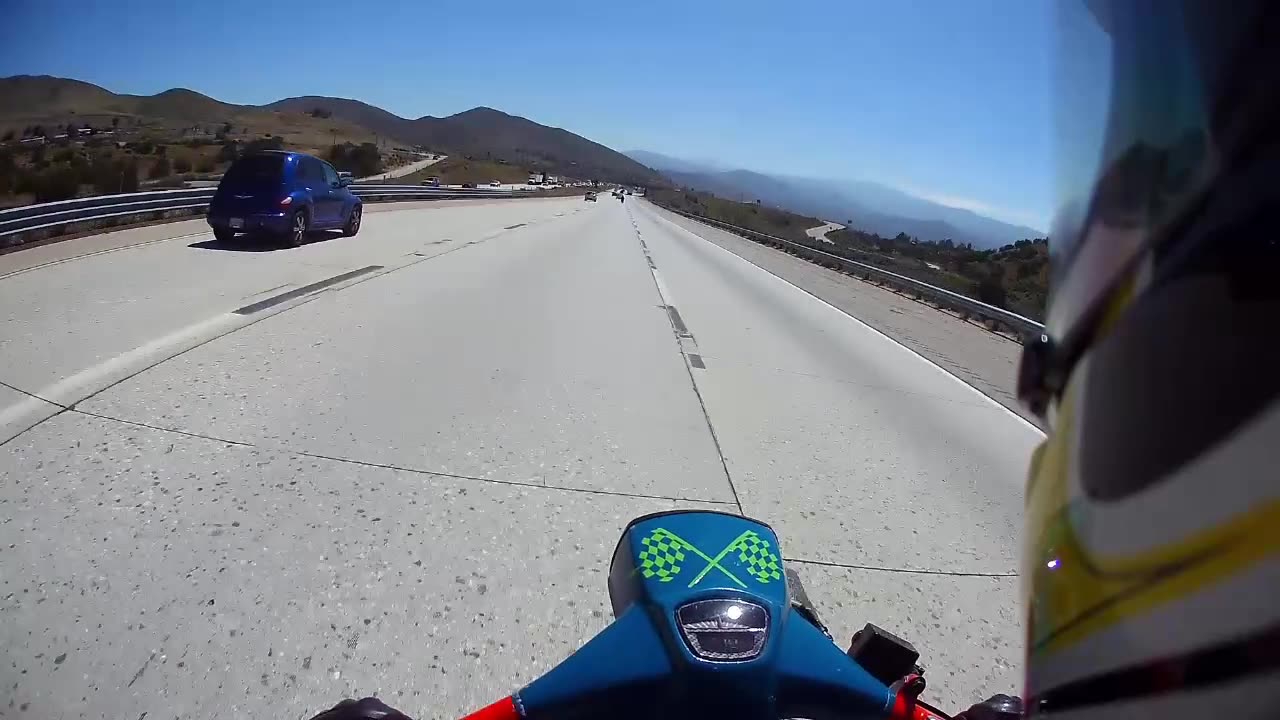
(353, 222)
(297, 230)
(224, 235)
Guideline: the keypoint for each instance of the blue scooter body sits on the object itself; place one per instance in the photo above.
(704, 627)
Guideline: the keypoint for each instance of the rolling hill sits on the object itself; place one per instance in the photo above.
(41, 100)
(482, 133)
(871, 207)
(492, 135)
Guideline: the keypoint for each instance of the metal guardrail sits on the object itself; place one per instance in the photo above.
(16, 222)
(942, 297)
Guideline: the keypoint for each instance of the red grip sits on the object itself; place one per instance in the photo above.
(504, 709)
(905, 707)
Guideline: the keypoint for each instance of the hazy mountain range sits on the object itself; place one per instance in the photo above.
(871, 206)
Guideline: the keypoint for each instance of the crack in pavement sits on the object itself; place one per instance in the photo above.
(908, 571)
(389, 466)
(218, 331)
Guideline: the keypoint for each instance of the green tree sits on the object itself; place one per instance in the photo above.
(115, 123)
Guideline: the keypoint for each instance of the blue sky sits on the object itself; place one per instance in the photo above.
(947, 100)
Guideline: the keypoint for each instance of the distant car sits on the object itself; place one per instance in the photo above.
(590, 196)
(495, 183)
(469, 186)
(432, 181)
(285, 195)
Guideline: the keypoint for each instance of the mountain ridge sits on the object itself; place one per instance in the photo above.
(482, 132)
(489, 134)
(873, 207)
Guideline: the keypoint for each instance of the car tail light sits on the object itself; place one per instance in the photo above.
(288, 200)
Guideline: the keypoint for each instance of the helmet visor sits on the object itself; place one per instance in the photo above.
(1130, 139)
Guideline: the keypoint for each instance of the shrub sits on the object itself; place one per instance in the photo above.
(359, 161)
(160, 169)
(229, 152)
(991, 290)
(206, 166)
(58, 183)
(182, 165)
(130, 175)
(271, 143)
(110, 176)
(8, 172)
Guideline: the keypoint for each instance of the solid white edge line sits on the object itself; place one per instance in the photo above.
(844, 314)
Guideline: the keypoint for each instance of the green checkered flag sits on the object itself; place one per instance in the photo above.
(754, 552)
(662, 554)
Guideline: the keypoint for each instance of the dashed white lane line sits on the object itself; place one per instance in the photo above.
(986, 398)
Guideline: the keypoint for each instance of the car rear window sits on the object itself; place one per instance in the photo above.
(256, 170)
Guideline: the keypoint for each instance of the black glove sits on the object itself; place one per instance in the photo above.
(996, 707)
(363, 709)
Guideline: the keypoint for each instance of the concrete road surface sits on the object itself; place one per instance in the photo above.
(403, 170)
(820, 232)
(241, 481)
(988, 361)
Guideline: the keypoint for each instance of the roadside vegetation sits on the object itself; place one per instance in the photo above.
(753, 216)
(98, 164)
(1014, 277)
(456, 171)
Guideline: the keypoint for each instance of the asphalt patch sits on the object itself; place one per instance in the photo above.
(676, 321)
(305, 289)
